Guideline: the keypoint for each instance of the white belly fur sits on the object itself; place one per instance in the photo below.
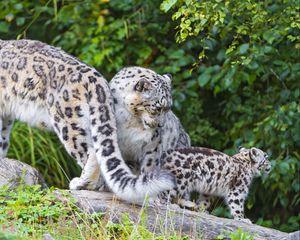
(29, 112)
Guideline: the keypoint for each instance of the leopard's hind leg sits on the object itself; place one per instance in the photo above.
(5, 129)
(90, 177)
(72, 128)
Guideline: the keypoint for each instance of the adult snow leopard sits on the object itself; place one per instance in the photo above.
(44, 86)
(144, 130)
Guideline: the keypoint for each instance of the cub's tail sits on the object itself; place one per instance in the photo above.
(116, 173)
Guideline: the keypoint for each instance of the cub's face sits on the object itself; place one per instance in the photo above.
(259, 159)
(144, 93)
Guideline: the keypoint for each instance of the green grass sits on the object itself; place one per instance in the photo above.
(44, 151)
(29, 212)
(238, 234)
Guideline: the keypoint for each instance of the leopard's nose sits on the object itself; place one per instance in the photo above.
(268, 169)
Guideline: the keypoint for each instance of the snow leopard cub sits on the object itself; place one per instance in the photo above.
(213, 173)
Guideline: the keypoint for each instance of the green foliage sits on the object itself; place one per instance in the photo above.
(29, 212)
(238, 234)
(6, 236)
(236, 77)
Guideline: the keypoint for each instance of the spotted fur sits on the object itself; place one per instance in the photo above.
(46, 87)
(146, 125)
(213, 173)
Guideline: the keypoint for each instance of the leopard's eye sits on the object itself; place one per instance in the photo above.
(159, 109)
(166, 108)
(152, 111)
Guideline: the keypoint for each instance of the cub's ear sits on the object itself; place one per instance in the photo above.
(168, 77)
(254, 155)
(142, 85)
(241, 149)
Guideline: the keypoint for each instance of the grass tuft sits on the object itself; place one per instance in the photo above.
(30, 212)
(44, 151)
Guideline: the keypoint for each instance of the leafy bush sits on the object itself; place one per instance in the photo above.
(235, 66)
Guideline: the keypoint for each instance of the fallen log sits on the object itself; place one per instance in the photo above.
(165, 220)
(170, 219)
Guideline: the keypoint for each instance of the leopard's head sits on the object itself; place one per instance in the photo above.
(259, 160)
(144, 93)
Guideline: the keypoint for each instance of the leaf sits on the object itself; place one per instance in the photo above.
(253, 65)
(229, 77)
(19, 6)
(284, 168)
(296, 186)
(4, 27)
(203, 79)
(208, 44)
(279, 63)
(268, 49)
(284, 201)
(100, 21)
(270, 36)
(167, 5)
(284, 74)
(20, 21)
(243, 48)
(176, 54)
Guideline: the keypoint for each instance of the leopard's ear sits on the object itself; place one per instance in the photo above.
(168, 77)
(254, 155)
(142, 85)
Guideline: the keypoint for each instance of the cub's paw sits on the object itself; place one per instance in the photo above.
(174, 206)
(77, 184)
(187, 204)
(103, 188)
(245, 220)
(92, 186)
(155, 202)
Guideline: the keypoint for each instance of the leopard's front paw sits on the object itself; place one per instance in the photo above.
(77, 184)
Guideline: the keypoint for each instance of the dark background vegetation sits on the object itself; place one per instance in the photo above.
(235, 67)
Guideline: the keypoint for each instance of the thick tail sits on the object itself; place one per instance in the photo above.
(116, 173)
